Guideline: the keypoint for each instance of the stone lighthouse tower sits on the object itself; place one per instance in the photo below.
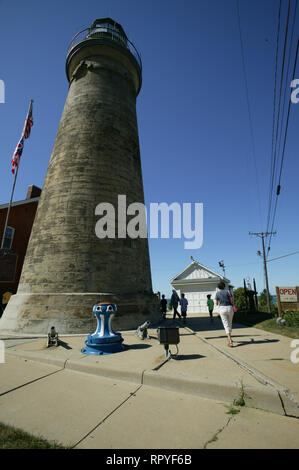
(95, 158)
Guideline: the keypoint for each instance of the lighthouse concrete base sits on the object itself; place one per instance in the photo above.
(71, 313)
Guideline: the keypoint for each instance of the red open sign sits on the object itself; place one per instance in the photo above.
(288, 294)
(290, 291)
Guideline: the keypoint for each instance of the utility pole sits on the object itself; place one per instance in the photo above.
(262, 235)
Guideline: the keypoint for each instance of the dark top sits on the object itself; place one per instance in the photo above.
(174, 300)
(163, 304)
(223, 298)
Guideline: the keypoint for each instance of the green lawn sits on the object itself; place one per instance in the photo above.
(12, 438)
(265, 322)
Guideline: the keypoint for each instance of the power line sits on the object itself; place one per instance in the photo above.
(288, 68)
(274, 157)
(284, 146)
(249, 110)
(287, 124)
(283, 256)
(274, 109)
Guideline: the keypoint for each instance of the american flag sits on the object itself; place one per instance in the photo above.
(25, 134)
(17, 155)
(28, 123)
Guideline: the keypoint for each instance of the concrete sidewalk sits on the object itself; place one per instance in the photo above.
(104, 401)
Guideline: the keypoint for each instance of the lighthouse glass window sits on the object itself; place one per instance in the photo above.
(8, 238)
(108, 28)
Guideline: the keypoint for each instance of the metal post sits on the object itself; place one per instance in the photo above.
(245, 294)
(15, 179)
(9, 207)
(278, 302)
(255, 296)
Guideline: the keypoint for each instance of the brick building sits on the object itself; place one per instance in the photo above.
(17, 236)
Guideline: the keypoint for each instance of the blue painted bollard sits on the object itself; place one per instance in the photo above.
(104, 340)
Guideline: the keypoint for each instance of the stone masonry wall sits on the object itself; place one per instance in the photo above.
(95, 158)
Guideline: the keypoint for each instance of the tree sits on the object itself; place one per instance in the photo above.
(239, 298)
(262, 302)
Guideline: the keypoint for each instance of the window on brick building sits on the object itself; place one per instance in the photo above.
(8, 239)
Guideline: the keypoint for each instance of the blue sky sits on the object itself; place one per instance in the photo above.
(195, 138)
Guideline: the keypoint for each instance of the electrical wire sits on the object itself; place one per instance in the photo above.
(249, 111)
(274, 109)
(284, 146)
(284, 256)
(288, 68)
(288, 116)
(274, 157)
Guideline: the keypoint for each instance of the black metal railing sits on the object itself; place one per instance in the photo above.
(105, 32)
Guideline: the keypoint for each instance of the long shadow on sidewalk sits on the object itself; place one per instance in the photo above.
(184, 357)
(237, 344)
(203, 324)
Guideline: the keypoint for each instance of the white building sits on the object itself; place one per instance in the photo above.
(196, 282)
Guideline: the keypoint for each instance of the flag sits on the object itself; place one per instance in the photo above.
(17, 155)
(25, 134)
(28, 124)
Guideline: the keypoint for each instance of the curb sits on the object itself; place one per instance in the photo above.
(256, 397)
(288, 401)
(95, 369)
(263, 397)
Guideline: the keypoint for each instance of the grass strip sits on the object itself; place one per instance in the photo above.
(13, 438)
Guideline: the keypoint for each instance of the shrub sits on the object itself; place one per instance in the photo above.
(239, 298)
(292, 318)
(263, 304)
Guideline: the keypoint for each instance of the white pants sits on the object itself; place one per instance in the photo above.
(226, 314)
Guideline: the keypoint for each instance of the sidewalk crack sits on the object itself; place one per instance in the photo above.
(106, 417)
(30, 382)
(215, 437)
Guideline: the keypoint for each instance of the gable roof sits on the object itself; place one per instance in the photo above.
(20, 203)
(194, 266)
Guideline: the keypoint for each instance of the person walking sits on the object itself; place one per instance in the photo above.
(210, 304)
(223, 299)
(163, 306)
(174, 303)
(183, 304)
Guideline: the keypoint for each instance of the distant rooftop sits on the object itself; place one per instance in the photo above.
(33, 195)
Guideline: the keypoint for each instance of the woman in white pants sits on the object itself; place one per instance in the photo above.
(226, 310)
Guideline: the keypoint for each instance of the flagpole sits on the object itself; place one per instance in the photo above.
(14, 184)
(9, 207)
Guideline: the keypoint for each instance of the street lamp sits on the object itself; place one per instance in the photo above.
(221, 264)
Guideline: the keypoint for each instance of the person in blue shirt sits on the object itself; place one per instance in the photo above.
(183, 304)
(226, 310)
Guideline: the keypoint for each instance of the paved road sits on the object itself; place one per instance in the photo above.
(139, 400)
